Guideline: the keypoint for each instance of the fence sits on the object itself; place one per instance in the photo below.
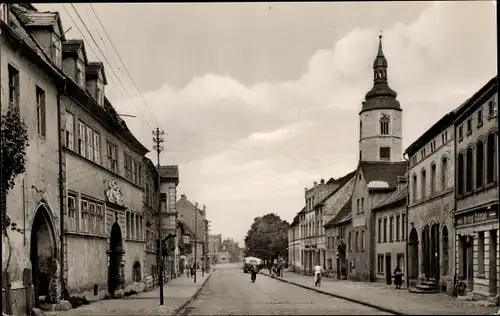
(18, 301)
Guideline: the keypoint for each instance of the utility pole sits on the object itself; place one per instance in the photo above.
(157, 141)
(195, 236)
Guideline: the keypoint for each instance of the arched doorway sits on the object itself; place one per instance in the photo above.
(43, 250)
(341, 261)
(136, 272)
(426, 251)
(445, 242)
(434, 252)
(413, 254)
(116, 277)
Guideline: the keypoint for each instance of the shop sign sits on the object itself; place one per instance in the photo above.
(477, 217)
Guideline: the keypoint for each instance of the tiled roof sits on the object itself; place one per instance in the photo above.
(383, 171)
(170, 172)
(341, 182)
(34, 18)
(72, 45)
(392, 198)
(341, 215)
(93, 68)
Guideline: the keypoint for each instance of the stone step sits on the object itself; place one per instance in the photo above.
(465, 298)
(423, 291)
(427, 287)
(486, 303)
(429, 282)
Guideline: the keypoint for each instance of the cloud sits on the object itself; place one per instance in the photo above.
(240, 145)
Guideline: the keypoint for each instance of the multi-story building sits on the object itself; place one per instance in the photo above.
(390, 245)
(476, 192)
(430, 206)
(31, 85)
(294, 259)
(214, 243)
(234, 251)
(150, 213)
(196, 224)
(336, 242)
(169, 180)
(380, 154)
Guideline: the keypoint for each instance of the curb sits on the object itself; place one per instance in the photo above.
(380, 308)
(193, 297)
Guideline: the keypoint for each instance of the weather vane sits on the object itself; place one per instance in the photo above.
(380, 35)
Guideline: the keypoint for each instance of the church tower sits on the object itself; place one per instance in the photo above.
(380, 119)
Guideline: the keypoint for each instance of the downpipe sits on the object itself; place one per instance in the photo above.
(407, 269)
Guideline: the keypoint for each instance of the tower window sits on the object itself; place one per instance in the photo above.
(385, 153)
(384, 125)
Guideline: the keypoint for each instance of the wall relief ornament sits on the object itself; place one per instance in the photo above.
(114, 193)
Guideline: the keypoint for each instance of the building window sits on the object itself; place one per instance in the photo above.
(422, 153)
(81, 138)
(362, 240)
(89, 152)
(134, 226)
(385, 229)
(433, 179)
(56, 49)
(490, 158)
(460, 173)
(112, 159)
(40, 111)
(100, 93)
(479, 164)
(357, 206)
(444, 173)
(414, 188)
(69, 130)
(401, 261)
(385, 153)
(96, 145)
(384, 125)
(491, 109)
(469, 126)
(398, 226)
(349, 242)
(84, 221)
(357, 241)
(403, 227)
(80, 74)
(423, 184)
(13, 87)
(380, 264)
(468, 170)
(379, 232)
(479, 118)
(100, 219)
(362, 205)
(445, 250)
(460, 132)
(127, 161)
(360, 129)
(391, 229)
(72, 214)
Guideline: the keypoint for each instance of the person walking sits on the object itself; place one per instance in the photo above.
(318, 270)
(398, 277)
(254, 273)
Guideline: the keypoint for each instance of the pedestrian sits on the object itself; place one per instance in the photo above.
(398, 277)
(254, 273)
(317, 275)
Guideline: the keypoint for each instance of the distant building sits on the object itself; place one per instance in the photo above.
(214, 244)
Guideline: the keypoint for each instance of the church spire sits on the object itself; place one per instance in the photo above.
(380, 83)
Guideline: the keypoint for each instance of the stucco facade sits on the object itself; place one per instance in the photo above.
(431, 223)
(476, 193)
(371, 138)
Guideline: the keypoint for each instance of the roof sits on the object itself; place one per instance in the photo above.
(434, 130)
(477, 99)
(34, 18)
(72, 46)
(93, 68)
(341, 182)
(344, 212)
(383, 171)
(396, 198)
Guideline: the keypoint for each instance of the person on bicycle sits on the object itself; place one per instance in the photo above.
(318, 270)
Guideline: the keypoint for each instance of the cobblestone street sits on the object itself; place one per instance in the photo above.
(176, 292)
(230, 292)
(400, 301)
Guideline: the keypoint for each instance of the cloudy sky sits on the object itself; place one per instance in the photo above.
(260, 100)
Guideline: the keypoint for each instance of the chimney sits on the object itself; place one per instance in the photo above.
(204, 211)
(315, 184)
(305, 189)
(183, 196)
(322, 181)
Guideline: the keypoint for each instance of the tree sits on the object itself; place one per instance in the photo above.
(267, 238)
(14, 141)
(13, 144)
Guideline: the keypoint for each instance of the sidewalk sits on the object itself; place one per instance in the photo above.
(387, 297)
(177, 292)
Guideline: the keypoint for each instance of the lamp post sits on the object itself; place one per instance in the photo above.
(195, 236)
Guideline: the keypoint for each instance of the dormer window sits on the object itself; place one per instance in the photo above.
(56, 49)
(80, 74)
(100, 93)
